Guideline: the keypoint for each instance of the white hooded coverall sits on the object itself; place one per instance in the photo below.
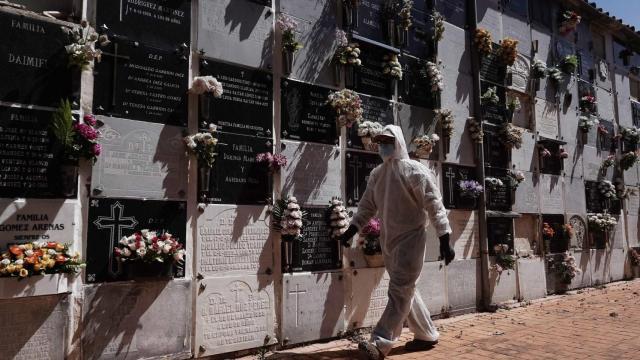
(402, 192)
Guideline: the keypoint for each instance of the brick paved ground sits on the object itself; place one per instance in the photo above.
(591, 324)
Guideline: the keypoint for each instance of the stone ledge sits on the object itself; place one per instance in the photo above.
(39, 285)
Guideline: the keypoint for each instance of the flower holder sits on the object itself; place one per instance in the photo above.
(513, 196)
(350, 14)
(446, 145)
(391, 29)
(288, 57)
(204, 178)
(374, 261)
(338, 70)
(585, 137)
(287, 245)
(349, 76)
(423, 153)
(144, 270)
(402, 36)
(69, 179)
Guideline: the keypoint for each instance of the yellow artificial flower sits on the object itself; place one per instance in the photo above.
(59, 247)
(28, 246)
(24, 272)
(11, 268)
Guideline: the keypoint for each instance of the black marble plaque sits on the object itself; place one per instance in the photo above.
(34, 62)
(161, 23)
(316, 251)
(499, 198)
(596, 203)
(30, 161)
(586, 66)
(358, 167)
(236, 178)
(494, 113)
(370, 21)
(454, 11)
(542, 12)
(553, 164)
(451, 196)
(420, 43)
(635, 113)
(246, 105)
(374, 109)
(496, 154)
(605, 140)
(500, 231)
(492, 69)
(306, 116)
(141, 83)
(517, 7)
(111, 219)
(558, 243)
(369, 78)
(415, 88)
(563, 48)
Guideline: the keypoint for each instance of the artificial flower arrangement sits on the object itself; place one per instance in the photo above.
(634, 254)
(274, 162)
(504, 260)
(538, 69)
(436, 80)
(587, 122)
(347, 106)
(424, 145)
(623, 192)
(82, 50)
(628, 159)
(366, 131)
(569, 64)
(563, 154)
(483, 42)
(607, 190)
(515, 179)
(601, 223)
(288, 26)
(444, 117)
(338, 217)
(475, 129)
(555, 75)
(511, 136)
(493, 183)
(369, 239)
(567, 231)
(405, 14)
(544, 152)
(347, 53)
(569, 22)
(39, 258)
(547, 231)
(391, 66)
(606, 164)
(206, 84)
(630, 135)
(287, 218)
(78, 140)
(149, 247)
(588, 103)
(490, 96)
(470, 188)
(203, 145)
(508, 51)
(565, 267)
(438, 25)
(514, 104)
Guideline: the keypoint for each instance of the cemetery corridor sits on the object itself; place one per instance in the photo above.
(595, 323)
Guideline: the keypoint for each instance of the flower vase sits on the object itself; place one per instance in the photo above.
(140, 269)
(350, 14)
(402, 36)
(391, 29)
(338, 69)
(366, 142)
(585, 137)
(374, 261)
(288, 57)
(606, 203)
(423, 153)
(204, 178)
(287, 243)
(513, 196)
(69, 179)
(446, 144)
(536, 84)
(349, 76)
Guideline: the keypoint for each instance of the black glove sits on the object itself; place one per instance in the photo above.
(446, 252)
(345, 239)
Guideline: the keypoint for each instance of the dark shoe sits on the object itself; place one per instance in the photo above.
(419, 345)
(371, 350)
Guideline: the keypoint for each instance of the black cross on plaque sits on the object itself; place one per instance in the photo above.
(115, 70)
(115, 223)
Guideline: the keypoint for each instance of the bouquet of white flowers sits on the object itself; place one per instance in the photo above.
(338, 217)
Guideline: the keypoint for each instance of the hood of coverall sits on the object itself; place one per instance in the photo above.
(400, 146)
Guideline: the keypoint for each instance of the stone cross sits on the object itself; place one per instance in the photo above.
(236, 289)
(450, 174)
(115, 223)
(297, 293)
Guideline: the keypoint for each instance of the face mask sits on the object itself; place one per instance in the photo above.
(386, 150)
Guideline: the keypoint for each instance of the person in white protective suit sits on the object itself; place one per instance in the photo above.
(402, 193)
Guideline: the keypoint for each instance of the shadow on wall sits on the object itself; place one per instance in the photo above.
(330, 317)
(319, 45)
(246, 15)
(305, 164)
(246, 215)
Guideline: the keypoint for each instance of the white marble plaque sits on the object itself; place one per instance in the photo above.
(312, 173)
(599, 265)
(591, 162)
(140, 159)
(465, 236)
(136, 320)
(316, 30)
(454, 50)
(531, 279)
(38, 327)
(457, 99)
(584, 263)
(464, 285)
(518, 29)
(579, 224)
(617, 265)
(575, 201)
(632, 231)
(432, 288)
(546, 119)
(503, 287)
(523, 117)
(312, 306)
(415, 121)
(234, 313)
(624, 94)
(605, 104)
(632, 176)
(573, 165)
(236, 31)
(524, 158)
(633, 202)
(527, 195)
(234, 240)
(525, 234)
(543, 37)
(366, 291)
(551, 196)
(36, 220)
(604, 75)
(52, 284)
(490, 17)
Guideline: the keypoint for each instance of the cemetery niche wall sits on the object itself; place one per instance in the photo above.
(193, 125)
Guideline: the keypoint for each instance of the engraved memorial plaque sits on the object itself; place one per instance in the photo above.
(358, 167)
(140, 159)
(36, 220)
(246, 104)
(520, 74)
(498, 198)
(420, 43)
(111, 219)
(494, 113)
(605, 104)
(465, 234)
(375, 110)
(305, 114)
(370, 21)
(34, 62)
(368, 287)
(495, 152)
(451, 194)
(527, 199)
(236, 178)
(32, 164)
(454, 11)
(141, 83)
(492, 69)
(546, 119)
(233, 240)
(500, 231)
(573, 188)
(415, 88)
(162, 23)
(586, 66)
(316, 250)
(551, 197)
(369, 78)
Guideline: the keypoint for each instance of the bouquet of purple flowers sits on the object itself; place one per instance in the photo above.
(470, 188)
(273, 161)
(370, 237)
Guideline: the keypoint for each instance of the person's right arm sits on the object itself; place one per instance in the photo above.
(367, 209)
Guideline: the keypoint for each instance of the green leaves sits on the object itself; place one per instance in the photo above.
(62, 124)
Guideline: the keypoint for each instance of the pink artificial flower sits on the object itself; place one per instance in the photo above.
(86, 131)
(90, 119)
(563, 154)
(97, 149)
(372, 228)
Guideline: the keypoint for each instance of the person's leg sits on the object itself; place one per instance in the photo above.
(389, 326)
(420, 322)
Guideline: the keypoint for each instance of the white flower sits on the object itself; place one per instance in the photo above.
(19, 262)
(144, 232)
(123, 241)
(141, 251)
(160, 243)
(5, 262)
(126, 252)
(132, 246)
(178, 256)
(51, 252)
(166, 248)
